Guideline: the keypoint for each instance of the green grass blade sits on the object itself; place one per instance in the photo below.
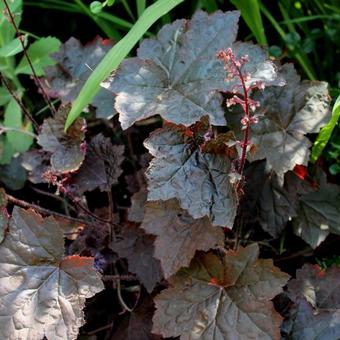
(210, 5)
(310, 18)
(121, 23)
(128, 10)
(56, 6)
(326, 132)
(250, 11)
(115, 56)
(140, 7)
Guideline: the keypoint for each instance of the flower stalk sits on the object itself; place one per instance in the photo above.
(233, 67)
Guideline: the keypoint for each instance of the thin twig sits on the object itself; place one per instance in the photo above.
(17, 99)
(87, 211)
(119, 277)
(44, 211)
(54, 196)
(119, 293)
(304, 252)
(21, 39)
(103, 328)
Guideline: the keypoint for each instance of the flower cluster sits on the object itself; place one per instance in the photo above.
(234, 68)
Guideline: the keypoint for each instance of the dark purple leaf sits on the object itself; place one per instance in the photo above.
(316, 310)
(41, 291)
(177, 74)
(138, 249)
(318, 214)
(36, 162)
(178, 234)
(137, 324)
(74, 64)
(290, 112)
(218, 299)
(66, 147)
(200, 181)
(102, 165)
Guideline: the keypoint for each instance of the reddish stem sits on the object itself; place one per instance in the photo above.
(246, 130)
(44, 211)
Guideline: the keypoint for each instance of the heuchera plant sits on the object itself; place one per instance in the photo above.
(183, 260)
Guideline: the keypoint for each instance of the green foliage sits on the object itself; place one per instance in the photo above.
(38, 53)
(328, 262)
(19, 135)
(18, 132)
(12, 48)
(301, 27)
(250, 12)
(325, 134)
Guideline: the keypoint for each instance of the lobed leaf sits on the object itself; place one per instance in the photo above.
(199, 181)
(316, 310)
(74, 64)
(67, 153)
(270, 202)
(42, 293)
(174, 76)
(318, 214)
(290, 112)
(138, 248)
(102, 165)
(222, 299)
(36, 162)
(178, 234)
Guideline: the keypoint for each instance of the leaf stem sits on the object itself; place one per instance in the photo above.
(44, 211)
(87, 211)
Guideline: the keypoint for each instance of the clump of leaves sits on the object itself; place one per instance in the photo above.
(231, 158)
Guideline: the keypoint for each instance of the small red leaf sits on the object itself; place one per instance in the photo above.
(301, 171)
